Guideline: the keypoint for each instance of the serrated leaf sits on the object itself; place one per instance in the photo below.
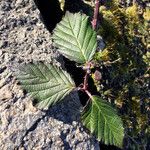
(75, 38)
(102, 120)
(46, 83)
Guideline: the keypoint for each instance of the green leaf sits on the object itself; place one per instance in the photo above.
(102, 120)
(75, 38)
(46, 83)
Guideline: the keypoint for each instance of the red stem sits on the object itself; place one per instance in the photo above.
(94, 25)
(85, 84)
(96, 12)
(88, 93)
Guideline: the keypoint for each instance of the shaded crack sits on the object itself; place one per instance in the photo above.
(63, 136)
(32, 128)
(3, 69)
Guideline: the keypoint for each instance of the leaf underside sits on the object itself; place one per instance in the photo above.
(75, 38)
(46, 83)
(102, 121)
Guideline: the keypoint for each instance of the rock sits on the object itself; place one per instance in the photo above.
(5, 93)
(100, 43)
(23, 39)
(1, 52)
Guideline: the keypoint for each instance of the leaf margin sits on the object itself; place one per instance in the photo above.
(35, 99)
(84, 114)
(63, 51)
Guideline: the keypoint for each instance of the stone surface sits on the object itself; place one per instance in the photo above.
(23, 38)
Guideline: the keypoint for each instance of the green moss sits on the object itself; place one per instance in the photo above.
(124, 31)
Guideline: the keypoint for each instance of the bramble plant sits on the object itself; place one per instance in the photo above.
(48, 84)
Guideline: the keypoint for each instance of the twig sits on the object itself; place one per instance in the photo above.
(85, 84)
(89, 94)
(96, 11)
(108, 63)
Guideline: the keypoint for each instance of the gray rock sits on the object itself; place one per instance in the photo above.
(100, 43)
(23, 38)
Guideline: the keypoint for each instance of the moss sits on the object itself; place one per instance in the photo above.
(146, 58)
(103, 56)
(131, 12)
(124, 31)
(146, 14)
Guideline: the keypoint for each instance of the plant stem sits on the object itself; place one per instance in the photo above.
(88, 93)
(85, 84)
(96, 11)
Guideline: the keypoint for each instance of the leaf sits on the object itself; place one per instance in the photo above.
(102, 120)
(46, 83)
(75, 38)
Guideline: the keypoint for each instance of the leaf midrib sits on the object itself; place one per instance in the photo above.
(104, 118)
(77, 40)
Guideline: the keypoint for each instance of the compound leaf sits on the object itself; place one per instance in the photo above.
(75, 38)
(102, 120)
(46, 83)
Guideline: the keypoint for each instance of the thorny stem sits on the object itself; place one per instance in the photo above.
(96, 10)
